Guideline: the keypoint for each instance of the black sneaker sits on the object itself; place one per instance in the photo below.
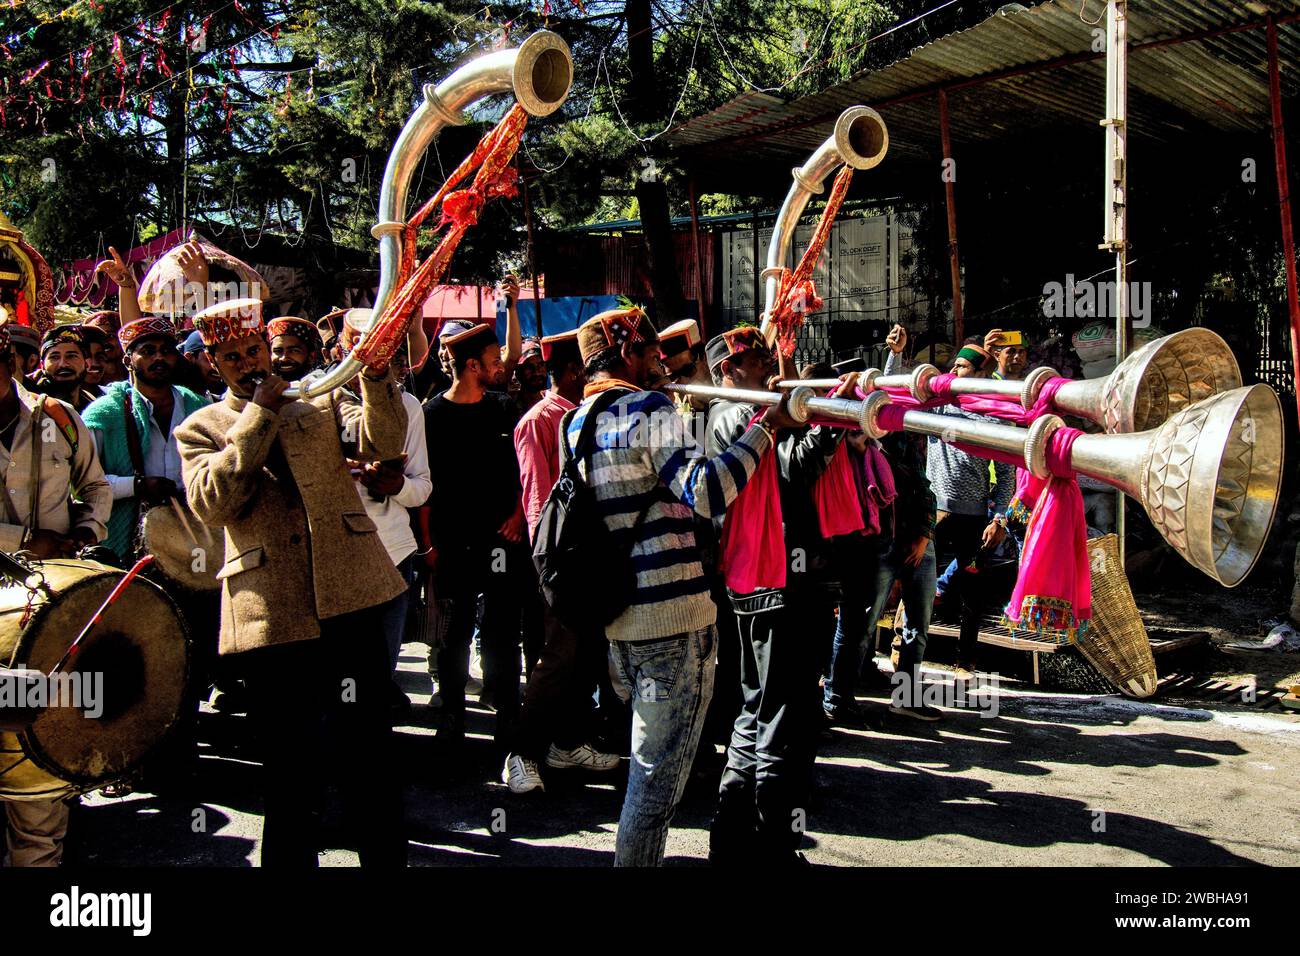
(845, 715)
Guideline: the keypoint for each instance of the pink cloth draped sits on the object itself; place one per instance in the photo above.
(753, 536)
(980, 404)
(835, 496)
(1052, 598)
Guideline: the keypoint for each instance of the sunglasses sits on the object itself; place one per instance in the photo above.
(686, 371)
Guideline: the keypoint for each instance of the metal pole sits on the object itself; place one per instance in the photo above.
(699, 275)
(532, 259)
(758, 273)
(1116, 186)
(950, 203)
(1284, 202)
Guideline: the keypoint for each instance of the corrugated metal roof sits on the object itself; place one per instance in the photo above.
(1035, 70)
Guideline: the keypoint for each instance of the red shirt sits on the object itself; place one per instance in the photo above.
(537, 445)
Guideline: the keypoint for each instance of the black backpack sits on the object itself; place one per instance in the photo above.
(587, 581)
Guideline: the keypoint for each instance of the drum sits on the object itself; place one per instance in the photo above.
(184, 549)
(138, 656)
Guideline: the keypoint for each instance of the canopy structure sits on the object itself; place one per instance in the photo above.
(26, 282)
(1196, 66)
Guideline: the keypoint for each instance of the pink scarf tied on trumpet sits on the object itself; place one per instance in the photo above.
(1052, 599)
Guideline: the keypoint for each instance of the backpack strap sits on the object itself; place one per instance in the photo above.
(587, 436)
(586, 441)
(59, 415)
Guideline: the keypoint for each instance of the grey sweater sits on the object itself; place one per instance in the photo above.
(961, 481)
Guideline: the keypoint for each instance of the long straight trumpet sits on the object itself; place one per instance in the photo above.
(804, 404)
(1208, 476)
(1158, 380)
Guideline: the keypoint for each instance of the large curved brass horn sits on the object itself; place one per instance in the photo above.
(1208, 476)
(1158, 380)
(539, 72)
(860, 140)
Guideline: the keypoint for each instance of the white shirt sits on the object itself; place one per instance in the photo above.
(163, 460)
(390, 515)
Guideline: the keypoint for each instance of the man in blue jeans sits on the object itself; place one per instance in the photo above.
(649, 475)
(902, 551)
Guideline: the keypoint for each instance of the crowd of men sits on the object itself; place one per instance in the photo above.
(417, 493)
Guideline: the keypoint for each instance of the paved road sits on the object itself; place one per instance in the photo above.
(1051, 779)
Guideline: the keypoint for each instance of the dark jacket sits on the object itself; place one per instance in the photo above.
(802, 457)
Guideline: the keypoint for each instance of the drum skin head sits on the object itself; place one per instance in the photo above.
(187, 554)
(139, 652)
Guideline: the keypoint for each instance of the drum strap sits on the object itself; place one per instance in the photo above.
(134, 450)
(133, 446)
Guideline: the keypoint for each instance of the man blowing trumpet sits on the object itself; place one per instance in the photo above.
(272, 471)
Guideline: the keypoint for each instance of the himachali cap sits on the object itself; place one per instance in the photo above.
(94, 334)
(471, 342)
(147, 327)
(106, 321)
(5, 347)
(734, 342)
(23, 335)
(292, 325)
(614, 329)
(532, 346)
(563, 345)
(61, 334)
(230, 320)
(354, 322)
(678, 338)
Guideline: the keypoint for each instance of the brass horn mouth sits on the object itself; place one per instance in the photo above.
(1213, 478)
(543, 73)
(1158, 380)
(861, 137)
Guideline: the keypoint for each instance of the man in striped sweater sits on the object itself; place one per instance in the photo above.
(649, 474)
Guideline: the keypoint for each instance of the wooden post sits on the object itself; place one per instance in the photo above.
(950, 203)
(1284, 202)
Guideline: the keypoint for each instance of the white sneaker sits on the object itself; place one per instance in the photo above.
(521, 775)
(584, 756)
(474, 684)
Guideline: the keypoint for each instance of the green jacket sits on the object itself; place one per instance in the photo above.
(105, 416)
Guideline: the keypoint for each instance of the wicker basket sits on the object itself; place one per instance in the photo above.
(1116, 642)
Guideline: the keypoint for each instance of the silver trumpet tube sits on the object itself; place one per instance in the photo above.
(1208, 476)
(803, 403)
(539, 72)
(1154, 382)
(860, 140)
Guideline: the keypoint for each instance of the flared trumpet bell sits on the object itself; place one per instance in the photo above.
(861, 140)
(1156, 381)
(539, 72)
(1208, 476)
